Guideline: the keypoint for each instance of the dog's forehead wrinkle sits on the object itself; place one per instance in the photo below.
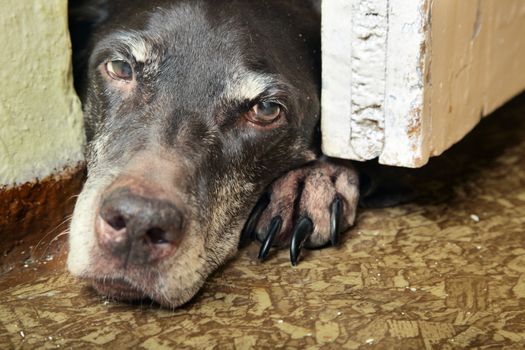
(190, 23)
(197, 48)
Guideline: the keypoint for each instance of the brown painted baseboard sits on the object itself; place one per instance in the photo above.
(36, 208)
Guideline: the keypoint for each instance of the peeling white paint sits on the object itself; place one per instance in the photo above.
(407, 85)
(369, 37)
(371, 54)
(404, 94)
(354, 50)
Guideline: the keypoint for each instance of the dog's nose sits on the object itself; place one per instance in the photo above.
(136, 229)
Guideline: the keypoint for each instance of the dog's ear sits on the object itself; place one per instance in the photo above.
(84, 17)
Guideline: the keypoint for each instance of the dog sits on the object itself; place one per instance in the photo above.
(202, 120)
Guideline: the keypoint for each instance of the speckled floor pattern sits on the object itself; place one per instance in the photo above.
(446, 271)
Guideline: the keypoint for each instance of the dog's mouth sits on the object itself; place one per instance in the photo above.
(118, 289)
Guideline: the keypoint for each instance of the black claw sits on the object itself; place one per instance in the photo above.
(301, 232)
(275, 227)
(335, 217)
(248, 232)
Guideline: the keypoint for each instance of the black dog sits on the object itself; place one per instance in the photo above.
(195, 110)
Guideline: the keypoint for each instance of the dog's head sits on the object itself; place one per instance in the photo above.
(192, 109)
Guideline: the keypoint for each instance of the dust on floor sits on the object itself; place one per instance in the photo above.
(445, 271)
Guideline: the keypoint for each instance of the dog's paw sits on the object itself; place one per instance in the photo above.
(307, 207)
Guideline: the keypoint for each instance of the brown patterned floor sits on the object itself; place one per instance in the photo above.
(447, 271)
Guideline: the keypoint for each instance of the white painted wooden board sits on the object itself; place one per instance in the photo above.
(404, 80)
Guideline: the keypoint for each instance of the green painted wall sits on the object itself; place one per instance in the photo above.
(41, 129)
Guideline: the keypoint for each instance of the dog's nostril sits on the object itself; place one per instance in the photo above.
(117, 222)
(157, 236)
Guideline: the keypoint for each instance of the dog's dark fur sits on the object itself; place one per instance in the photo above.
(173, 146)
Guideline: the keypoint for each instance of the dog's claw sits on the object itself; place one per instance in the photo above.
(302, 231)
(316, 204)
(335, 216)
(248, 232)
(275, 227)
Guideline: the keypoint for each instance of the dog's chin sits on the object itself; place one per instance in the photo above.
(118, 290)
(169, 288)
(124, 291)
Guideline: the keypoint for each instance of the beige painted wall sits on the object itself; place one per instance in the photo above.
(41, 129)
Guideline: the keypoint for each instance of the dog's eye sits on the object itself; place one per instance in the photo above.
(119, 70)
(264, 113)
